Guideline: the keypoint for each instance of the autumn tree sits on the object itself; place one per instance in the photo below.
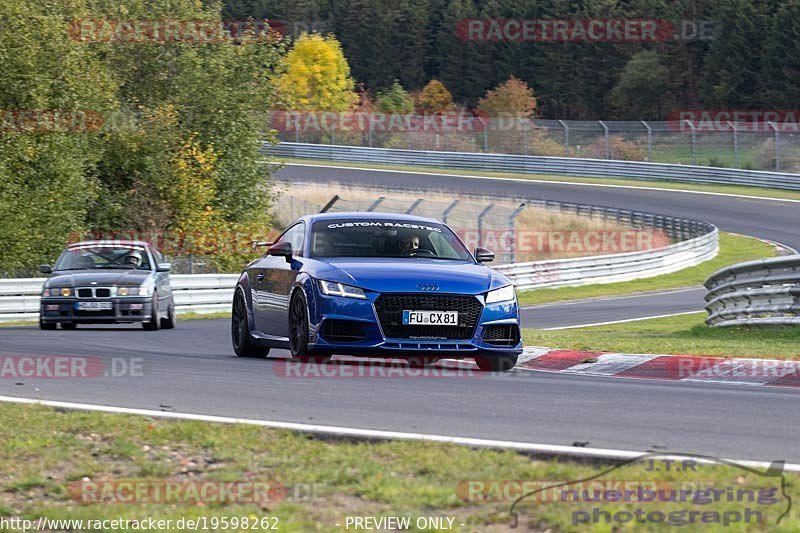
(435, 98)
(513, 97)
(317, 76)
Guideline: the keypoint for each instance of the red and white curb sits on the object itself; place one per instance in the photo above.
(740, 371)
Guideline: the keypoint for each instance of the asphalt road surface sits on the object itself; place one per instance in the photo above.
(191, 369)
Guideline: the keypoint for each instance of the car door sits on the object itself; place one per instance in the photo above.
(274, 278)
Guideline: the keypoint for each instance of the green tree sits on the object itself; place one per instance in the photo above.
(395, 100)
(641, 86)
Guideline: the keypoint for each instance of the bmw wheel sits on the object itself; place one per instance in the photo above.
(243, 345)
(154, 322)
(169, 322)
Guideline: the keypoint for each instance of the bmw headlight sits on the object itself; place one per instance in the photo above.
(331, 288)
(127, 291)
(58, 291)
(503, 294)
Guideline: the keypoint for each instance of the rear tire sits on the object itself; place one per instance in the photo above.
(154, 322)
(496, 364)
(69, 325)
(47, 325)
(243, 345)
(169, 322)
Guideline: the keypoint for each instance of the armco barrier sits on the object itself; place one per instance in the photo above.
(201, 293)
(592, 168)
(766, 291)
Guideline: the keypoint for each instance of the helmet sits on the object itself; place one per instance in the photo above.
(134, 258)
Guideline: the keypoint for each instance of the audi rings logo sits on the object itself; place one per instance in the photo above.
(428, 287)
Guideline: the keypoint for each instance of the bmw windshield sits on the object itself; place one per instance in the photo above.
(386, 239)
(104, 257)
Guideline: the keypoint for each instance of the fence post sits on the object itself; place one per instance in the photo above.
(608, 145)
(447, 211)
(649, 141)
(375, 204)
(776, 139)
(413, 206)
(693, 141)
(566, 137)
(526, 122)
(480, 222)
(735, 144)
(485, 135)
(512, 221)
(330, 203)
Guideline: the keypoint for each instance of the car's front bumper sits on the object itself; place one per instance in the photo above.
(362, 313)
(124, 309)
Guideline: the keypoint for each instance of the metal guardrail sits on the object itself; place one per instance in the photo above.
(766, 291)
(697, 242)
(200, 293)
(592, 168)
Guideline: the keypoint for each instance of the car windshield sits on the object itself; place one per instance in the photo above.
(386, 238)
(103, 257)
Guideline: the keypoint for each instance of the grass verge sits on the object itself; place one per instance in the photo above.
(759, 192)
(52, 460)
(732, 249)
(678, 335)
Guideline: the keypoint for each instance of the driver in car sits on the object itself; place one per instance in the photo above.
(134, 259)
(410, 243)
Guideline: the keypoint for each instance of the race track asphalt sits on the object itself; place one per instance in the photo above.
(191, 369)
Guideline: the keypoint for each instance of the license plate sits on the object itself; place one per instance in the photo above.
(94, 306)
(430, 318)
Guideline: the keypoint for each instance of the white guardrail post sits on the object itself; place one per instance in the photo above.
(766, 291)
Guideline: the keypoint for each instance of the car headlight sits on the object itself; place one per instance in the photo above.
(331, 288)
(127, 291)
(503, 294)
(58, 291)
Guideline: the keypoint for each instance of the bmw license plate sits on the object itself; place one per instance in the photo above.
(94, 306)
(430, 318)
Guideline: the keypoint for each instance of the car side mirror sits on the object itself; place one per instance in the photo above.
(164, 267)
(483, 255)
(45, 269)
(282, 249)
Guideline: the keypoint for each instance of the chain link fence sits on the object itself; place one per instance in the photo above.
(747, 145)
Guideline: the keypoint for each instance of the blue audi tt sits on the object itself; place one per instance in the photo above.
(375, 284)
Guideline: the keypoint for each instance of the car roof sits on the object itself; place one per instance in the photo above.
(361, 215)
(112, 242)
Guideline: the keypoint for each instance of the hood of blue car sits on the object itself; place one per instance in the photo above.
(407, 275)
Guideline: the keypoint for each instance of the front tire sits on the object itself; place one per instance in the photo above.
(47, 325)
(497, 363)
(169, 322)
(154, 322)
(298, 328)
(243, 345)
